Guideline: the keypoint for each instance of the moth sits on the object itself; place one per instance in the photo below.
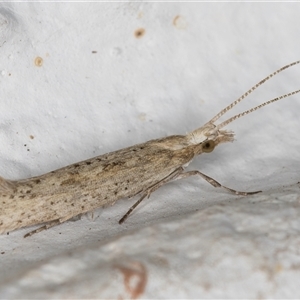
(63, 194)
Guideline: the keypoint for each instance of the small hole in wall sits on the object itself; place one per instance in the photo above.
(139, 33)
(38, 61)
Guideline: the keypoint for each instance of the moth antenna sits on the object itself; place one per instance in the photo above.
(230, 106)
(246, 112)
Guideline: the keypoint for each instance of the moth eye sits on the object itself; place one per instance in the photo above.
(208, 146)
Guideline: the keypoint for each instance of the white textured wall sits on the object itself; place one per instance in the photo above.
(191, 60)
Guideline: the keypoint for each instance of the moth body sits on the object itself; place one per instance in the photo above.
(87, 185)
(60, 195)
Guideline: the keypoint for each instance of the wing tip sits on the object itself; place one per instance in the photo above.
(6, 186)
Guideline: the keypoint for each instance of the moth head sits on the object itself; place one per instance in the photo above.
(207, 137)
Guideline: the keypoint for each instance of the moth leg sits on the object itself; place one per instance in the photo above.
(48, 225)
(147, 192)
(213, 182)
(178, 174)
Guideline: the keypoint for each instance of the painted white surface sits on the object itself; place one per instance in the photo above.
(193, 59)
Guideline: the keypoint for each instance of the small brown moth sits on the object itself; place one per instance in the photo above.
(60, 195)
